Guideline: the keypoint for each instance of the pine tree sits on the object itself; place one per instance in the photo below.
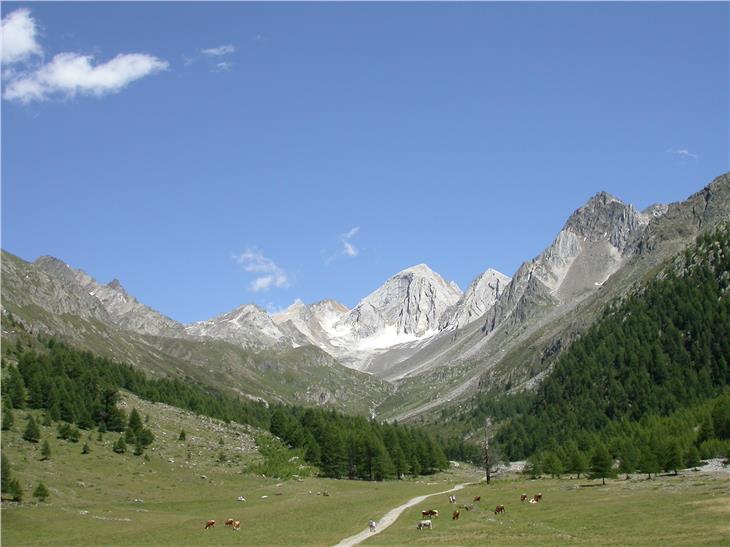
(135, 421)
(691, 457)
(5, 474)
(577, 461)
(601, 463)
(120, 447)
(672, 460)
(86, 448)
(16, 491)
(648, 462)
(8, 418)
(41, 492)
(138, 448)
(552, 465)
(32, 433)
(46, 451)
(628, 458)
(181, 437)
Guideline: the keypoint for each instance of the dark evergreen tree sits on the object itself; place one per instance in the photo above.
(672, 460)
(46, 451)
(32, 433)
(120, 446)
(86, 448)
(648, 462)
(8, 418)
(601, 463)
(41, 492)
(628, 458)
(181, 437)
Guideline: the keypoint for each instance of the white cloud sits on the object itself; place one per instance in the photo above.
(19, 37)
(347, 247)
(67, 74)
(218, 51)
(254, 261)
(683, 153)
(223, 66)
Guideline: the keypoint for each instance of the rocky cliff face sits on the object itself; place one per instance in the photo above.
(248, 326)
(311, 323)
(591, 246)
(479, 297)
(410, 303)
(123, 309)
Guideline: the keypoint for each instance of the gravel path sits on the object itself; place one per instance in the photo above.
(390, 517)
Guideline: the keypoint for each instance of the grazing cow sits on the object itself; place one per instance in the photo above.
(469, 507)
(538, 497)
(237, 525)
(452, 499)
(499, 509)
(455, 515)
(241, 498)
(371, 525)
(430, 513)
(229, 522)
(209, 524)
(523, 497)
(478, 498)
(424, 524)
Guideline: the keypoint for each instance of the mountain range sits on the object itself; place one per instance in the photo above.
(411, 346)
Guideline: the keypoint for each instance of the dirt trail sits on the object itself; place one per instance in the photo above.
(391, 516)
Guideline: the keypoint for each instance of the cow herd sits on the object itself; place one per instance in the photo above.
(427, 515)
(234, 524)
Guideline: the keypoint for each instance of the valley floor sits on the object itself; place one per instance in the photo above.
(103, 498)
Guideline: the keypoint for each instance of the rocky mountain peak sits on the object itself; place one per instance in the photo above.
(479, 297)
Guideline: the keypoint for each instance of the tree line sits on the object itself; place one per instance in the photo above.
(78, 389)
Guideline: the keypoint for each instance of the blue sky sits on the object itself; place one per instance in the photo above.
(459, 135)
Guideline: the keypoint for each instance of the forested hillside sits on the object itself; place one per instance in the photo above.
(80, 390)
(651, 372)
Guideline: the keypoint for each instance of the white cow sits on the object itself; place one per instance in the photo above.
(424, 524)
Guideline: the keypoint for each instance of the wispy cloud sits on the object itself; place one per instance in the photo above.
(683, 153)
(67, 74)
(223, 66)
(348, 247)
(218, 51)
(270, 274)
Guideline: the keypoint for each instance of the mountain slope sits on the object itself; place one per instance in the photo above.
(44, 304)
(553, 298)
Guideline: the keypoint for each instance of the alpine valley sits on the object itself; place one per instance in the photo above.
(412, 347)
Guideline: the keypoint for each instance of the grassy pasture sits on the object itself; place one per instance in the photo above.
(92, 495)
(690, 509)
(92, 499)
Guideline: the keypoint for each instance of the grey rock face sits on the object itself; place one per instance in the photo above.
(52, 289)
(123, 309)
(479, 297)
(412, 301)
(311, 324)
(247, 326)
(588, 250)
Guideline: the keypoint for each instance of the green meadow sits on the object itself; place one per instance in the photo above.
(104, 498)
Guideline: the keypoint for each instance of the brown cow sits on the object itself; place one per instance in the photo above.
(455, 515)
(523, 497)
(237, 525)
(478, 498)
(430, 513)
(209, 524)
(499, 509)
(229, 522)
